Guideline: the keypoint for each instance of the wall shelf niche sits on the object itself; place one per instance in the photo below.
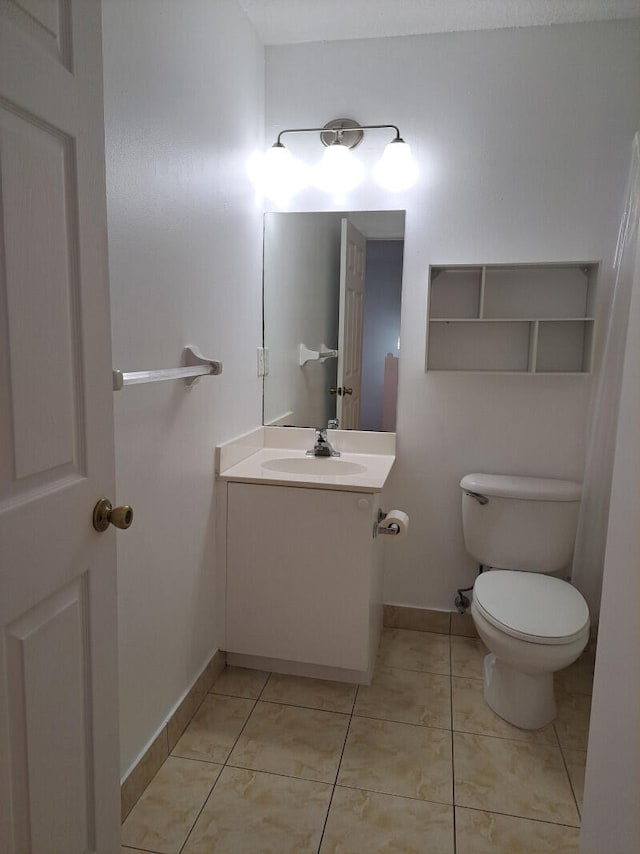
(511, 318)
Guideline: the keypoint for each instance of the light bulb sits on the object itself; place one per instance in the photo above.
(396, 170)
(281, 174)
(339, 171)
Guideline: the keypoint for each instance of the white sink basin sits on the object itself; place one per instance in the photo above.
(331, 466)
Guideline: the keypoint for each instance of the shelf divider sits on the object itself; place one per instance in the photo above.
(483, 279)
(533, 346)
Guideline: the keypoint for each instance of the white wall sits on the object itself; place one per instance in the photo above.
(184, 88)
(523, 139)
(302, 296)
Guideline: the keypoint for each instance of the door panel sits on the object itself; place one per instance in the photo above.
(49, 717)
(38, 199)
(46, 23)
(350, 331)
(59, 775)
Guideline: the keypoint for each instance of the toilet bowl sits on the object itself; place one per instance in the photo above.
(534, 625)
(521, 531)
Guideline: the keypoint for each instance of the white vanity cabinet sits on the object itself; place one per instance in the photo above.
(304, 578)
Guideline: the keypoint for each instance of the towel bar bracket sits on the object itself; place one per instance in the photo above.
(194, 358)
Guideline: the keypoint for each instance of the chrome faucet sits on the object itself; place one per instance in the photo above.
(322, 446)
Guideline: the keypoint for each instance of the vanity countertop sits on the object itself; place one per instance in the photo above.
(277, 456)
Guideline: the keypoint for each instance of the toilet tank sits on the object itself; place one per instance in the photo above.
(527, 523)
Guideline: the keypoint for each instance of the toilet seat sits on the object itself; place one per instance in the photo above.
(533, 607)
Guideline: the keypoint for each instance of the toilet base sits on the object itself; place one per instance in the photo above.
(522, 699)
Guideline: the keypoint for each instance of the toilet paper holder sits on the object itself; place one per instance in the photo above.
(391, 531)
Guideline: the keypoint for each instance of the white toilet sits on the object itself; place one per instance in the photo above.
(523, 529)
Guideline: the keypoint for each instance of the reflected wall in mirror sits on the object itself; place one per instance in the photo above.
(332, 290)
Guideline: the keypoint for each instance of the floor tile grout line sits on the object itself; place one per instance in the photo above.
(279, 774)
(304, 706)
(244, 726)
(172, 755)
(523, 817)
(335, 782)
(531, 743)
(232, 696)
(206, 800)
(414, 669)
(566, 768)
(383, 663)
(406, 723)
(351, 788)
(266, 682)
(453, 764)
(195, 759)
(404, 797)
(556, 744)
(519, 741)
(387, 629)
(240, 696)
(224, 765)
(212, 761)
(386, 666)
(394, 795)
(227, 764)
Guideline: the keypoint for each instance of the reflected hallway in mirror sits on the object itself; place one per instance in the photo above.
(332, 288)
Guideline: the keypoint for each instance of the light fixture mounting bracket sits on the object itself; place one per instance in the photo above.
(347, 131)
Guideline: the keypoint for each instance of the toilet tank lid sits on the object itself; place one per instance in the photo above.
(530, 488)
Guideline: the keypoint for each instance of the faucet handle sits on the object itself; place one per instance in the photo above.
(321, 434)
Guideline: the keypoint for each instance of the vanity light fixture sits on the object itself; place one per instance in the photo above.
(339, 171)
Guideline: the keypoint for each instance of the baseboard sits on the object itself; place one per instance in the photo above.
(429, 620)
(151, 760)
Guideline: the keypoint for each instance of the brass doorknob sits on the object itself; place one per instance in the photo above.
(104, 515)
(347, 390)
(334, 390)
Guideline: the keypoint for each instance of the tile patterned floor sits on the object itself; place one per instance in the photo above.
(414, 762)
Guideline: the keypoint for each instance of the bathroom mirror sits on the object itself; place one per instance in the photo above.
(332, 288)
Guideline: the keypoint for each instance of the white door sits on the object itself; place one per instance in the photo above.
(59, 777)
(353, 251)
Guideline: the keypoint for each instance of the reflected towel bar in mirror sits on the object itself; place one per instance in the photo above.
(321, 355)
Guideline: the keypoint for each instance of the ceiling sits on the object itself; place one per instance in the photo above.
(291, 21)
